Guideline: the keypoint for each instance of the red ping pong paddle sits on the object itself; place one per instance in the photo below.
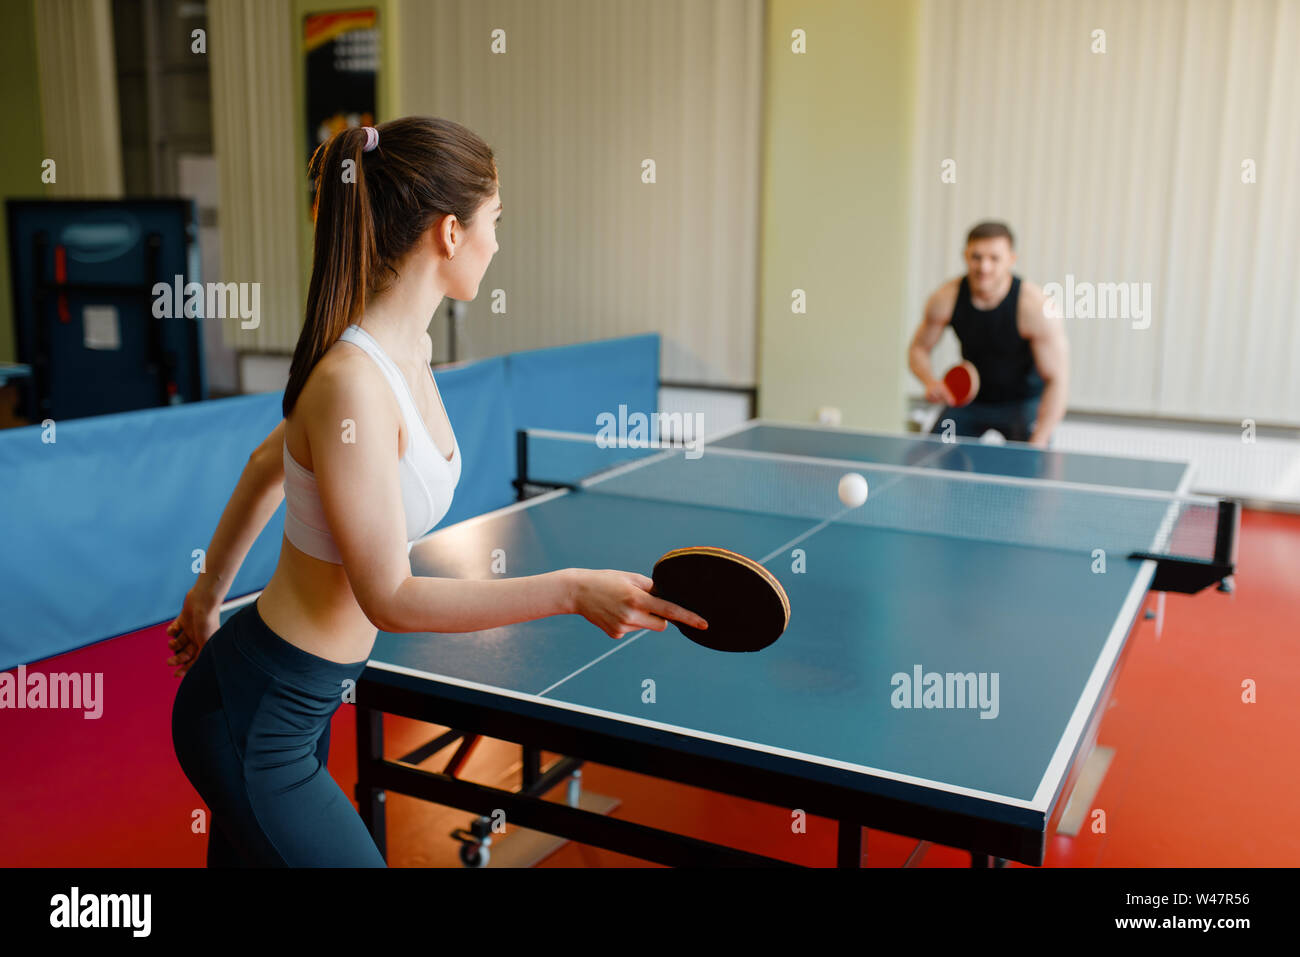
(963, 381)
(744, 604)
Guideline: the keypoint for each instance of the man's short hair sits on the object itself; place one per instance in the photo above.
(990, 230)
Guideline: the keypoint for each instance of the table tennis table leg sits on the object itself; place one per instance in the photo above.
(918, 852)
(370, 799)
(532, 767)
(849, 845)
(532, 776)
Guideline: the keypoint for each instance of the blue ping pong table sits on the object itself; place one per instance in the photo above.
(10, 371)
(950, 650)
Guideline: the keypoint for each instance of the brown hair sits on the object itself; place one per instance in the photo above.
(423, 168)
(991, 230)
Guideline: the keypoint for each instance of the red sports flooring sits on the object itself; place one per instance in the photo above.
(1199, 778)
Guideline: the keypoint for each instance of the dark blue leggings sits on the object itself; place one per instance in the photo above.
(251, 729)
(1014, 419)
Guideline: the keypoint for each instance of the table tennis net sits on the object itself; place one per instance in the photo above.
(982, 507)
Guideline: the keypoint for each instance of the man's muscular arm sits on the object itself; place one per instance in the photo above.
(1042, 325)
(938, 310)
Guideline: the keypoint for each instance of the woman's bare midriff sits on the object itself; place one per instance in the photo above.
(309, 602)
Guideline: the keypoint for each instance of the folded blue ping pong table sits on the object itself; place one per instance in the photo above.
(951, 645)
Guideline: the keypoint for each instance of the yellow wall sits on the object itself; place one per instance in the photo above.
(837, 159)
(20, 160)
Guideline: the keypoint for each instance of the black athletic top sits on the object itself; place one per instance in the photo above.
(991, 342)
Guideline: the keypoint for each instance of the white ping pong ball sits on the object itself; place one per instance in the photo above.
(853, 489)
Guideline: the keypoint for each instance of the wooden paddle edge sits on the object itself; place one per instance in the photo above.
(741, 559)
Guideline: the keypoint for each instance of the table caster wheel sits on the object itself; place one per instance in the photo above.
(475, 855)
(475, 843)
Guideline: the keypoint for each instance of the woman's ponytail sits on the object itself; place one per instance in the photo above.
(343, 252)
(378, 190)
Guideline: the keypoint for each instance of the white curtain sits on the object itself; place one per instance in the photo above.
(78, 83)
(1127, 166)
(585, 91)
(261, 166)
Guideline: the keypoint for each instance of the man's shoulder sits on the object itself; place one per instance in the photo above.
(943, 299)
(1035, 309)
(1030, 290)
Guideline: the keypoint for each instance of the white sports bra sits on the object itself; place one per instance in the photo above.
(428, 479)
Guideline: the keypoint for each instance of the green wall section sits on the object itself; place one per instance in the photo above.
(837, 144)
(20, 160)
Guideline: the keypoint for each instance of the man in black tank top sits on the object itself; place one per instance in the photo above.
(1009, 333)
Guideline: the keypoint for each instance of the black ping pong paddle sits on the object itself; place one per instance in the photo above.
(744, 604)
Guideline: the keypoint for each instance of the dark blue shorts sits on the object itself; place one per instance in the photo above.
(251, 729)
(1014, 419)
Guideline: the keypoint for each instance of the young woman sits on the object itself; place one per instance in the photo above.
(406, 213)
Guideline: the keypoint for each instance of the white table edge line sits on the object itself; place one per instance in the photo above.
(991, 797)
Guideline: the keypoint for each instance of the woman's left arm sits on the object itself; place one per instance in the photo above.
(254, 501)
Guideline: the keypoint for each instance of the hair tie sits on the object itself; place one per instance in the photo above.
(372, 139)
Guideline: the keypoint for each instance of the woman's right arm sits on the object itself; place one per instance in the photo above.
(617, 602)
(353, 437)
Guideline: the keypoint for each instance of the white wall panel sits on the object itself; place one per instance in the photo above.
(1125, 167)
(586, 90)
(262, 171)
